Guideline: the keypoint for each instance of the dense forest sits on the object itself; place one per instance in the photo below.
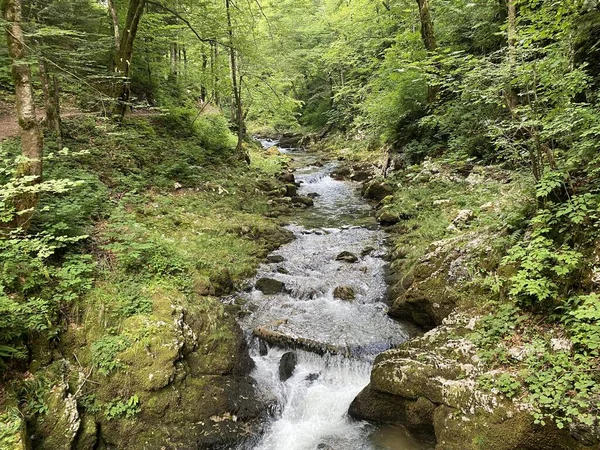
(136, 202)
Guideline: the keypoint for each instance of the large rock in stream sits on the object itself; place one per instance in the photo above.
(429, 386)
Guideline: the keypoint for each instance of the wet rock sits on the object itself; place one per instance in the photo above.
(313, 377)
(283, 271)
(313, 195)
(262, 348)
(302, 200)
(367, 251)
(275, 259)
(341, 173)
(290, 140)
(275, 333)
(287, 177)
(347, 257)
(344, 293)
(287, 365)
(291, 190)
(270, 286)
(377, 191)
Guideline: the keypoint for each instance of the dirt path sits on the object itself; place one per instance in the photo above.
(9, 127)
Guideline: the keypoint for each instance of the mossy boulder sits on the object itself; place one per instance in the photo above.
(432, 290)
(377, 190)
(430, 385)
(182, 381)
(344, 293)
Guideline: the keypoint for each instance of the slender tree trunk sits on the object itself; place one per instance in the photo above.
(174, 60)
(31, 137)
(237, 89)
(203, 89)
(134, 15)
(513, 98)
(429, 40)
(114, 18)
(215, 74)
(51, 102)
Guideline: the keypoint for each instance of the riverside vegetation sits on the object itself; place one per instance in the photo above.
(473, 126)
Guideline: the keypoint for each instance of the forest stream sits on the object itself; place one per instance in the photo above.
(309, 410)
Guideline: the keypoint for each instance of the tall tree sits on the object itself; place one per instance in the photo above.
(237, 88)
(429, 40)
(124, 50)
(512, 52)
(31, 137)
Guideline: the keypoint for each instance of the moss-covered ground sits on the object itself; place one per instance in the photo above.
(167, 221)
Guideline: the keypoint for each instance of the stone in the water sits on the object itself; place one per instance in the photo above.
(269, 286)
(313, 195)
(301, 200)
(262, 348)
(288, 178)
(287, 365)
(344, 293)
(347, 257)
(368, 251)
(341, 173)
(275, 259)
(313, 377)
(291, 190)
(283, 271)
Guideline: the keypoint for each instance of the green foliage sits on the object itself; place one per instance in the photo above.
(506, 384)
(121, 408)
(582, 319)
(105, 351)
(33, 396)
(493, 329)
(563, 388)
(10, 427)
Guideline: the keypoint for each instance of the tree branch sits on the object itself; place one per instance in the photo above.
(189, 25)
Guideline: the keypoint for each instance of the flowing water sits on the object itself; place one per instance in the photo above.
(310, 409)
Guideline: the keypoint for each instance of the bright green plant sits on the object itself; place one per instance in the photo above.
(120, 408)
(105, 351)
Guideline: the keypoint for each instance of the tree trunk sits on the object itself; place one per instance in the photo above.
(203, 89)
(215, 74)
(237, 89)
(134, 15)
(31, 136)
(513, 98)
(114, 18)
(428, 36)
(51, 102)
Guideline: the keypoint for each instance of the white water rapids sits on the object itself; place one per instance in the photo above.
(310, 409)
